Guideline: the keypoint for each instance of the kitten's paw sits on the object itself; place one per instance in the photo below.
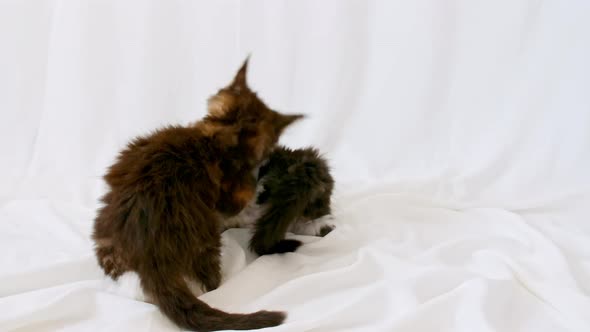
(285, 246)
(280, 247)
(212, 280)
(110, 262)
(317, 227)
(210, 285)
(326, 229)
(207, 270)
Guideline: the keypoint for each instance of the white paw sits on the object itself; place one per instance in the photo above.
(316, 227)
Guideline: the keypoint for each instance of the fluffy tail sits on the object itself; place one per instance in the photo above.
(176, 301)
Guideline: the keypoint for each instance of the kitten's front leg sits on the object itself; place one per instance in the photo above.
(317, 227)
(270, 230)
(207, 268)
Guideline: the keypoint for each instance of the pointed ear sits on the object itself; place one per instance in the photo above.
(282, 121)
(240, 83)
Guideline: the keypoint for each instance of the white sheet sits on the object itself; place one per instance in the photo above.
(459, 135)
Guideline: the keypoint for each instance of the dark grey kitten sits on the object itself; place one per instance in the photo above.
(293, 195)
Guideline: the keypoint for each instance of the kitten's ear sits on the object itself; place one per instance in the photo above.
(225, 100)
(240, 83)
(282, 121)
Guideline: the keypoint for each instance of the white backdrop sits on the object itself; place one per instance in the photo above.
(458, 132)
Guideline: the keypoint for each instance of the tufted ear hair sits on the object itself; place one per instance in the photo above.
(240, 84)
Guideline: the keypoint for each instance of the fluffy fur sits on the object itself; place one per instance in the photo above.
(167, 193)
(293, 194)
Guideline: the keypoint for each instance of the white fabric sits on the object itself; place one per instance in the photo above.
(458, 132)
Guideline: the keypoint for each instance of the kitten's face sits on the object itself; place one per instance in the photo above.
(257, 127)
(318, 208)
(320, 203)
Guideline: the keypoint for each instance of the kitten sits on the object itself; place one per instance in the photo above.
(293, 194)
(161, 215)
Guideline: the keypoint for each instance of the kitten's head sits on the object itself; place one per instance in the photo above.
(237, 109)
(319, 178)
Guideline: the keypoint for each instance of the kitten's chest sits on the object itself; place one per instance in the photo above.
(250, 213)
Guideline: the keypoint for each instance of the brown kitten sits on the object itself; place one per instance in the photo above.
(167, 192)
